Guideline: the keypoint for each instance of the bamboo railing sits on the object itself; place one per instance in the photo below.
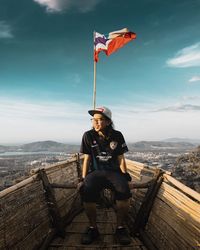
(163, 212)
(174, 221)
(26, 217)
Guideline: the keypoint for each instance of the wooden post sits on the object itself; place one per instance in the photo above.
(51, 202)
(78, 165)
(144, 211)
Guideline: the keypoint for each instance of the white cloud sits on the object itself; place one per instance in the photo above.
(51, 5)
(195, 79)
(180, 108)
(149, 125)
(5, 30)
(191, 98)
(25, 121)
(43, 111)
(186, 57)
(61, 5)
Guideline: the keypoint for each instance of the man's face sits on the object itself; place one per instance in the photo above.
(99, 122)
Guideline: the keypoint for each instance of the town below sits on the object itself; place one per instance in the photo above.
(182, 158)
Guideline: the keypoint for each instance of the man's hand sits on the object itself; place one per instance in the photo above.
(127, 176)
(80, 184)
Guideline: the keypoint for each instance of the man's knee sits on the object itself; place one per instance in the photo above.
(123, 203)
(89, 194)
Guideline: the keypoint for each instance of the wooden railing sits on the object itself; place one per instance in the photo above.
(26, 216)
(174, 222)
(163, 212)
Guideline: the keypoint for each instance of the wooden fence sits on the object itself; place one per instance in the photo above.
(174, 221)
(25, 216)
(165, 213)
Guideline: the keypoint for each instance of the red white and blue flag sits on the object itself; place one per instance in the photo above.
(114, 41)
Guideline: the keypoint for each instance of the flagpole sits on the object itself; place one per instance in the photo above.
(94, 91)
(94, 87)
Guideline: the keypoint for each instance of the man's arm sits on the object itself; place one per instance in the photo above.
(123, 167)
(86, 162)
(122, 163)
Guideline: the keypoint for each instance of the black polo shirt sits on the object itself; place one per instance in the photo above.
(104, 151)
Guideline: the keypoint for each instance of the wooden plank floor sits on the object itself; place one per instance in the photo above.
(106, 222)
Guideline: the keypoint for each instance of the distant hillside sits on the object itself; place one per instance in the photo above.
(52, 146)
(8, 148)
(160, 146)
(46, 146)
(187, 169)
(193, 141)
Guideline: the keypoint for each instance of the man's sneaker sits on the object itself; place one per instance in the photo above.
(90, 235)
(122, 236)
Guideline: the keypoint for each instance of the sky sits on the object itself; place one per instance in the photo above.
(152, 85)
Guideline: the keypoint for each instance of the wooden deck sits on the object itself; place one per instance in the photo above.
(106, 221)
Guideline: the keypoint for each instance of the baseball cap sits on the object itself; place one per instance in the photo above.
(102, 110)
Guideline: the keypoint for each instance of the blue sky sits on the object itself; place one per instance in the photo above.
(152, 85)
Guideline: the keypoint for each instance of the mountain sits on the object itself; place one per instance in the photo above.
(187, 169)
(168, 145)
(50, 146)
(42, 146)
(161, 146)
(193, 141)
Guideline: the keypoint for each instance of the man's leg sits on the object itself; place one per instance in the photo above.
(90, 193)
(91, 232)
(122, 211)
(121, 233)
(90, 210)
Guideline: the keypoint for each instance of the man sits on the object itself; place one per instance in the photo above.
(104, 166)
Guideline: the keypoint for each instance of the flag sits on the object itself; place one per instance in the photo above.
(114, 41)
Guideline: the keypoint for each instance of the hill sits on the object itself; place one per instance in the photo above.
(161, 146)
(169, 145)
(42, 146)
(193, 141)
(187, 169)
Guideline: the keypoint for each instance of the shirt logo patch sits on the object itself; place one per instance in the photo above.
(113, 145)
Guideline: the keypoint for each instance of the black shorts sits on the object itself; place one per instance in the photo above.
(100, 179)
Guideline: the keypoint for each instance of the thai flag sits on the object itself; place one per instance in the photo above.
(112, 42)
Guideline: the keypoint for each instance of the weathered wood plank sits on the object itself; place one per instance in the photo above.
(172, 224)
(17, 186)
(106, 221)
(22, 211)
(52, 205)
(180, 202)
(183, 188)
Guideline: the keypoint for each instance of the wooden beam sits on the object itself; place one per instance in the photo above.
(18, 186)
(145, 239)
(63, 185)
(52, 205)
(49, 238)
(145, 209)
(78, 165)
(188, 191)
(132, 185)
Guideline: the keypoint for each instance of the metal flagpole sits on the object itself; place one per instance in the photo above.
(94, 91)
(94, 88)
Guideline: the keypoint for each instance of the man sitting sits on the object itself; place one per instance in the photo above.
(104, 166)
